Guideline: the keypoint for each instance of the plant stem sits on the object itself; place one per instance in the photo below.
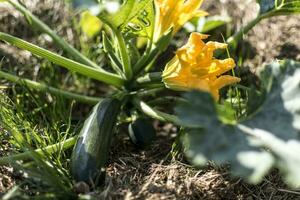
(49, 150)
(147, 92)
(45, 88)
(151, 112)
(115, 61)
(233, 40)
(124, 55)
(90, 72)
(148, 54)
(150, 78)
(166, 100)
(151, 85)
(35, 22)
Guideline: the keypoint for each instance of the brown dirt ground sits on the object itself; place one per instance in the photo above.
(271, 39)
(148, 174)
(6, 173)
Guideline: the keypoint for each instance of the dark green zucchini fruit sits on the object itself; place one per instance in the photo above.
(90, 153)
(141, 132)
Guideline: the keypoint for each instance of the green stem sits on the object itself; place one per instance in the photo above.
(150, 66)
(152, 52)
(233, 40)
(141, 64)
(147, 92)
(150, 78)
(90, 72)
(34, 21)
(124, 55)
(143, 60)
(49, 150)
(45, 88)
(115, 61)
(165, 100)
(151, 86)
(145, 108)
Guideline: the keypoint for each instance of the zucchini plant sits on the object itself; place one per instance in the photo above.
(252, 129)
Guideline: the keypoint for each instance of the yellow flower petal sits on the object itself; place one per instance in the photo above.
(175, 13)
(225, 80)
(90, 24)
(194, 67)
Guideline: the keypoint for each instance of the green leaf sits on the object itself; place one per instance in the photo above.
(142, 23)
(201, 113)
(216, 141)
(269, 8)
(279, 113)
(285, 153)
(252, 147)
(135, 17)
(290, 7)
(225, 144)
(266, 5)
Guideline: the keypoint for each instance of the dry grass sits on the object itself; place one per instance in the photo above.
(149, 174)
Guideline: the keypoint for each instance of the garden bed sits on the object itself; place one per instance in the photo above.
(150, 173)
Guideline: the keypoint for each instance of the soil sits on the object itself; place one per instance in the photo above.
(149, 173)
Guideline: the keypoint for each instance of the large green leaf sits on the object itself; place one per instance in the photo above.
(266, 5)
(215, 141)
(282, 101)
(290, 7)
(252, 147)
(270, 8)
(205, 114)
(136, 17)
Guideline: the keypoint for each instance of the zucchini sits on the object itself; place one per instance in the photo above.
(91, 151)
(141, 132)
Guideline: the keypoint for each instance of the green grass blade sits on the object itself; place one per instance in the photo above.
(90, 72)
(49, 150)
(37, 23)
(45, 88)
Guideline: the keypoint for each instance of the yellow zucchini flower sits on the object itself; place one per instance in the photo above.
(175, 13)
(90, 24)
(194, 67)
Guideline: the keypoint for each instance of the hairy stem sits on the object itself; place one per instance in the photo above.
(151, 112)
(88, 71)
(124, 55)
